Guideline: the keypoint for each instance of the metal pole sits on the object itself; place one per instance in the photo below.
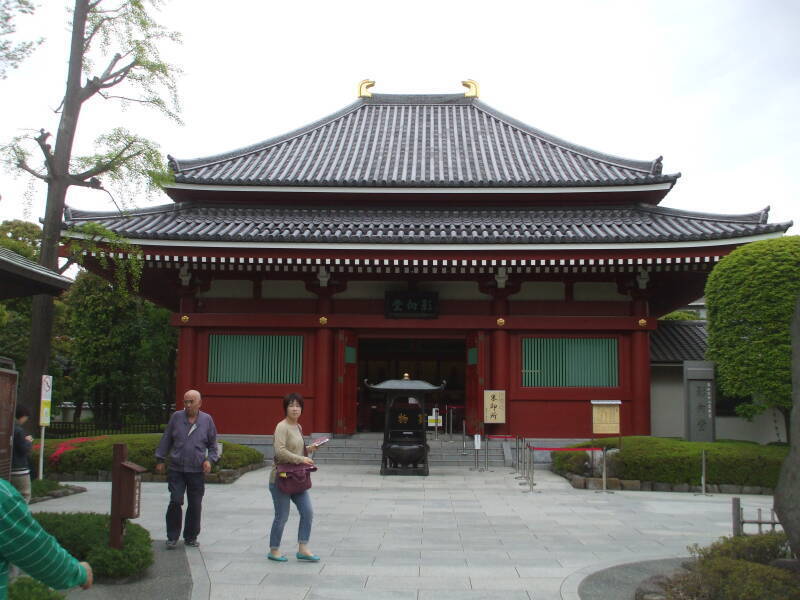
(533, 466)
(41, 456)
(703, 474)
(486, 455)
(450, 423)
(463, 437)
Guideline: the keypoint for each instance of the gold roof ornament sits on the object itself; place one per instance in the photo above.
(363, 88)
(473, 90)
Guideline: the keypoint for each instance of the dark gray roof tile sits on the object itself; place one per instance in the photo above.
(676, 341)
(417, 141)
(639, 224)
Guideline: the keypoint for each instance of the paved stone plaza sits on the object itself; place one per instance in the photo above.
(456, 535)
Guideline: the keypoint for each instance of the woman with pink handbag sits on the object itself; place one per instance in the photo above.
(290, 479)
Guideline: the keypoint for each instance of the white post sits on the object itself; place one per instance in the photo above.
(41, 456)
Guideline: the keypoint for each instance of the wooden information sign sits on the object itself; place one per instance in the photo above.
(605, 417)
(494, 406)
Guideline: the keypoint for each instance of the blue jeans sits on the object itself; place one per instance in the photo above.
(194, 486)
(281, 502)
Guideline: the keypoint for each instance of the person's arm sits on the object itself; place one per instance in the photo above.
(282, 453)
(211, 444)
(162, 450)
(24, 543)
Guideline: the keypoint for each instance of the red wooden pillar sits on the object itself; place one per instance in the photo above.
(640, 370)
(324, 359)
(500, 351)
(323, 399)
(641, 383)
(186, 377)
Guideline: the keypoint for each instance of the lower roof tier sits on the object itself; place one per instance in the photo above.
(407, 227)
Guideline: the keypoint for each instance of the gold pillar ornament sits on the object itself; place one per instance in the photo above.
(406, 376)
(363, 88)
(642, 322)
(185, 319)
(501, 321)
(323, 320)
(473, 90)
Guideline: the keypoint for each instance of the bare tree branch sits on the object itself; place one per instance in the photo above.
(25, 167)
(126, 98)
(47, 150)
(87, 40)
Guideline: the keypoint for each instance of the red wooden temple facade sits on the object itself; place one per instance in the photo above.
(428, 234)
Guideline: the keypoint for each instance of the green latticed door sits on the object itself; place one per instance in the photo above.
(570, 362)
(255, 358)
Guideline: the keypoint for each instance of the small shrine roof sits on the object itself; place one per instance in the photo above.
(22, 277)
(676, 341)
(412, 141)
(642, 223)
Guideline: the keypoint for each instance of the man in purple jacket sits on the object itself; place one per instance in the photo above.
(190, 442)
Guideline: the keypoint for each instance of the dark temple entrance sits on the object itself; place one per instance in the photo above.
(429, 360)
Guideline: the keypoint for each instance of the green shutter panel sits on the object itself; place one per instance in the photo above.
(569, 362)
(255, 358)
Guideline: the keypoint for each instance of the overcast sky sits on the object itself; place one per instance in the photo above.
(714, 86)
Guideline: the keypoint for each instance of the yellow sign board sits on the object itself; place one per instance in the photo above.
(605, 416)
(46, 401)
(494, 406)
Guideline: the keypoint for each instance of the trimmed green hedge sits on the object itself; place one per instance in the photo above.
(25, 588)
(85, 536)
(96, 454)
(673, 461)
(736, 568)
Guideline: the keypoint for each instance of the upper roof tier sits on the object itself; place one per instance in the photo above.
(418, 141)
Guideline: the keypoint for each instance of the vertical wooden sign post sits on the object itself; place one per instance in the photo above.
(126, 490)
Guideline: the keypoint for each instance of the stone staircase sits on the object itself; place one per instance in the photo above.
(365, 449)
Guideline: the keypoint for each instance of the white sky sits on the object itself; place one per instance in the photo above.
(712, 86)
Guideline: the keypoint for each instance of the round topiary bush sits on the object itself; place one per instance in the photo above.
(85, 536)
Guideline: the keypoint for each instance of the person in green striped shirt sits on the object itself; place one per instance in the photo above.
(25, 544)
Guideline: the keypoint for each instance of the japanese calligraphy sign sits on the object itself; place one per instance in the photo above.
(45, 402)
(698, 382)
(494, 406)
(411, 305)
(605, 417)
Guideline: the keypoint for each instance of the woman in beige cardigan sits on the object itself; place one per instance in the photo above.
(288, 445)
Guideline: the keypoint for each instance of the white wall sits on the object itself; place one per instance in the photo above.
(585, 291)
(668, 415)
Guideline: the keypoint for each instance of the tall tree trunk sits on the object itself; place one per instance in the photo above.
(787, 494)
(58, 183)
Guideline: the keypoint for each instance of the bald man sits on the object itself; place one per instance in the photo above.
(190, 442)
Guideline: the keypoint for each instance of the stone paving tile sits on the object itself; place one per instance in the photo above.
(404, 538)
(381, 582)
(331, 593)
(473, 595)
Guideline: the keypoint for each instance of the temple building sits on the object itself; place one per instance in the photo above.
(430, 235)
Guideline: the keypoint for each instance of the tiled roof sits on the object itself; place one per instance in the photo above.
(643, 223)
(418, 141)
(676, 341)
(22, 277)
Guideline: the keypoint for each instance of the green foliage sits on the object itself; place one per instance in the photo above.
(85, 536)
(736, 568)
(676, 461)
(728, 579)
(25, 588)
(680, 315)
(21, 237)
(751, 296)
(127, 351)
(105, 246)
(97, 455)
(13, 53)
(762, 548)
(40, 487)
